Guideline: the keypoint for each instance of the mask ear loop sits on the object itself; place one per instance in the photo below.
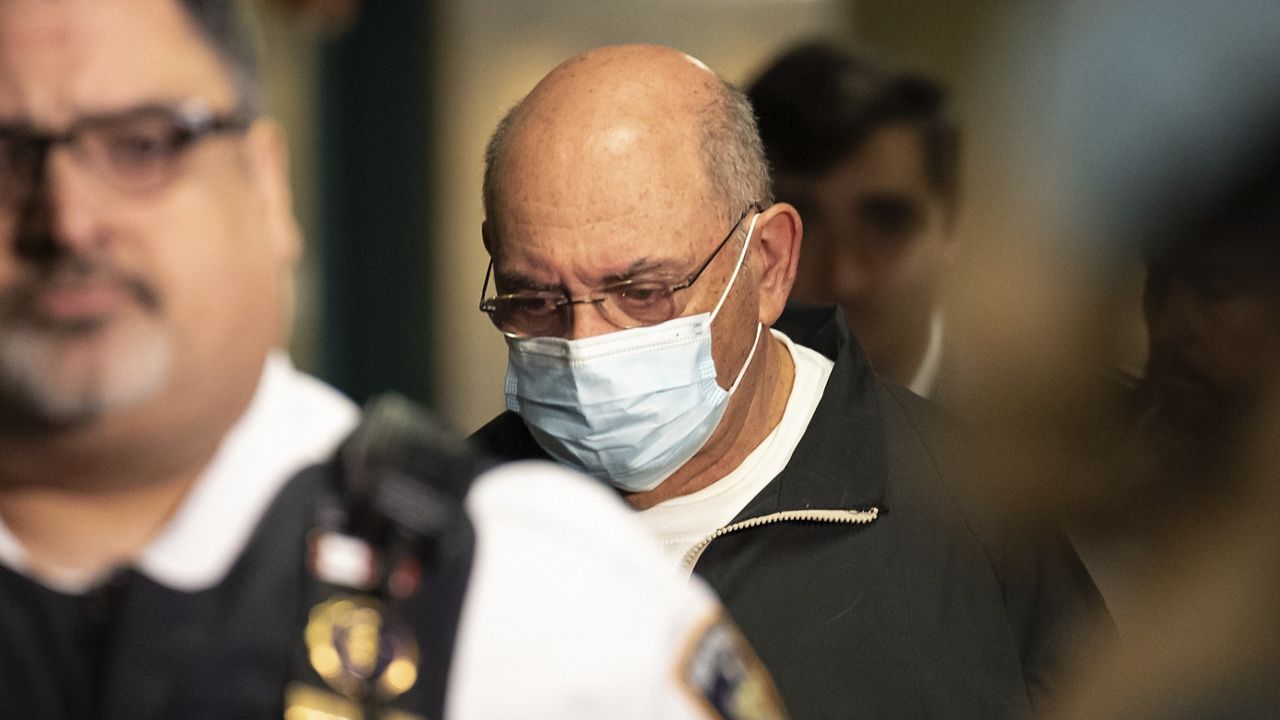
(742, 255)
(723, 296)
(747, 364)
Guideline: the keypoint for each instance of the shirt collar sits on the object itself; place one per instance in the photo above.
(293, 421)
(927, 375)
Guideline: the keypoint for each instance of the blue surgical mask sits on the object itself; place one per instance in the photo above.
(630, 407)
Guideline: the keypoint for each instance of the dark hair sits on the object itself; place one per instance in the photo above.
(1240, 211)
(230, 28)
(818, 103)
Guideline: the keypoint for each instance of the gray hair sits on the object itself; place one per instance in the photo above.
(731, 150)
(497, 141)
(231, 29)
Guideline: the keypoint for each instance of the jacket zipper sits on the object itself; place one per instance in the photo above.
(847, 517)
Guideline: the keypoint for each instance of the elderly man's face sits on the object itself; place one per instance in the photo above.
(131, 266)
(877, 241)
(627, 203)
(1213, 317)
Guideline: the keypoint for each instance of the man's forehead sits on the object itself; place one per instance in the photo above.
(637, 215)
(598, 127)
(543, 242)
(62, 58)
(894, 154)
(602, 156)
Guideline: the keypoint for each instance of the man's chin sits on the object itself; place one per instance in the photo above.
(58, 379)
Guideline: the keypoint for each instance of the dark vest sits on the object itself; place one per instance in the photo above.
(134, 649)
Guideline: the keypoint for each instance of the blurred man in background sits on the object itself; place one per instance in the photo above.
(1212, 306)
(1188, 537)
(1110, 129)
(638, 264)
(169, 545)
(869, 156)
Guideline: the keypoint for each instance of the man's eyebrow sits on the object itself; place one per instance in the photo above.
(663, 267)
(134, 111)
(99, 117)
(514, 281)
(666, 268)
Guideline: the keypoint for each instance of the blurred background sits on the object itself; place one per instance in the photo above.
(1093, 131)
(388, 105)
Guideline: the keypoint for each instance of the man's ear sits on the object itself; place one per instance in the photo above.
(779, 229)
(270, 158)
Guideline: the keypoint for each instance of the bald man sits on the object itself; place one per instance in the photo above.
(637, 266)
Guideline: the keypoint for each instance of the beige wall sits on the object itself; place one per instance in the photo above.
(290, 67)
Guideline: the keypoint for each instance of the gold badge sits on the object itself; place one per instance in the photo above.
(359, 650)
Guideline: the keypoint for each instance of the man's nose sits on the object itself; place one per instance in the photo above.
(61, 211)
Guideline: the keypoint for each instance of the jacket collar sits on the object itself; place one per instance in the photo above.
(840, 461)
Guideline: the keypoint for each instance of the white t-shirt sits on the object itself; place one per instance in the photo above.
(682, 522)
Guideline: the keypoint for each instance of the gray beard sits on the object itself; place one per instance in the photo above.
(44, 377)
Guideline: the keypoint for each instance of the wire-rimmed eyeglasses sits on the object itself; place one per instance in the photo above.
(628, 303)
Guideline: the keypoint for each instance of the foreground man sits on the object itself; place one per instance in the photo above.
(160, 555)
(637, 264)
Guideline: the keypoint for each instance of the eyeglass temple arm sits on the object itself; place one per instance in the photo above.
(484, 289)
(707, 263)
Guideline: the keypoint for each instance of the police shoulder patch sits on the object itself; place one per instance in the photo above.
(722, 673)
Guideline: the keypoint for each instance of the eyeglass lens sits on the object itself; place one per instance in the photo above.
(136, 152)
(626, 305)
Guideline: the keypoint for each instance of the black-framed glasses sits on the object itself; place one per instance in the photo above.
(626, 304)
(136, 150)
